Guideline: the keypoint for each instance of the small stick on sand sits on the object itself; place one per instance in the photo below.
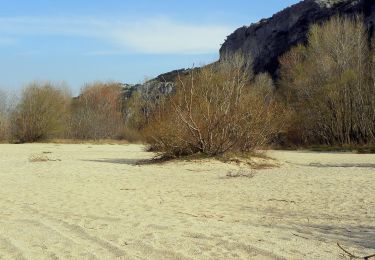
(300, 236)
(286, 201)
(188, 214)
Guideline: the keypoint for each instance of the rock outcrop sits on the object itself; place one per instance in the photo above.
(268, 39)
(161, 85)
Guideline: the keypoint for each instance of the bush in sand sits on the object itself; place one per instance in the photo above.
(215, 110)
(41, 113)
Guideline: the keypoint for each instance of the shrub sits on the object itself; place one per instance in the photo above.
(97, 112)
(129, 134)
(4, 120)
(138, 110)
(143, 102)
(214, 111)
(41, 113)
(38, 158)
(329, 86)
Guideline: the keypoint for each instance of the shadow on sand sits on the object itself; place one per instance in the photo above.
(132, 162)
(351, 235)
(363, 236)
(344, 165)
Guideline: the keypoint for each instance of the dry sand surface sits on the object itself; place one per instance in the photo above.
(95, 202)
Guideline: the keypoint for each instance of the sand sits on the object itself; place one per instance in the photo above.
(95, 202)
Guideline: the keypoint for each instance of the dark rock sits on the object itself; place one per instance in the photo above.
(268, 39)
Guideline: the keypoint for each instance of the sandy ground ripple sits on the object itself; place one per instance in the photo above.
(95, 202)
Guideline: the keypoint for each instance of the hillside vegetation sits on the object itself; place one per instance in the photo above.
(329, 84)
(325, 95)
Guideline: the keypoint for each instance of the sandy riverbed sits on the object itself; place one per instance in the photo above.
(94, 202)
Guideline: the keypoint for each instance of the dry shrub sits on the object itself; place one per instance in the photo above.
(4, 128)
(41, 113)
(240, 174)
(43, 158)
(129, 134)
(329, 85)
(139, 109)
(4, 120)
(215, 110)
(38, 158)
(97, 112)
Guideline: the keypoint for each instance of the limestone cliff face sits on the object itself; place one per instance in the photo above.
(161, 85)
(272, 37)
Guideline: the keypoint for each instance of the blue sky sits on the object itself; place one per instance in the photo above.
(80, 41)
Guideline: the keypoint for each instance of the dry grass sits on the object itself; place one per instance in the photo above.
(38, 158)
(250, 161)
(42, 157)
(241, 174)
(255, 160)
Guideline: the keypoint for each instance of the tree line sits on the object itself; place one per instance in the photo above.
(324, 95)
(329, 84)
(48, 111)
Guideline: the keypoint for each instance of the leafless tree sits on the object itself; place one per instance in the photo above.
(214, 110)
(97, 112)
(4, 120)
(41, 113)
(329, 84)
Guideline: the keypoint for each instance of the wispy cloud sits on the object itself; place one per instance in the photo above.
(166, 36)
(158, 35)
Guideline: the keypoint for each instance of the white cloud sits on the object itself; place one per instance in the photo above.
(166, 36)
(155, 35)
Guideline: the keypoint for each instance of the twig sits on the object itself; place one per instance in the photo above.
(300, 236)
(354, 256)
(287, 201)
(188, 214)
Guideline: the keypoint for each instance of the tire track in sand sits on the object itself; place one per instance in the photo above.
(76, 234)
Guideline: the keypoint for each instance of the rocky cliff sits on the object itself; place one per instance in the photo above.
(272, 37)
(161, 85)
(269, 38)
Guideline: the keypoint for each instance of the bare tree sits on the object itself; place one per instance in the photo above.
(41, 113)
(214, 110)
(329, 84)
(4, 122)
(97, 112)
